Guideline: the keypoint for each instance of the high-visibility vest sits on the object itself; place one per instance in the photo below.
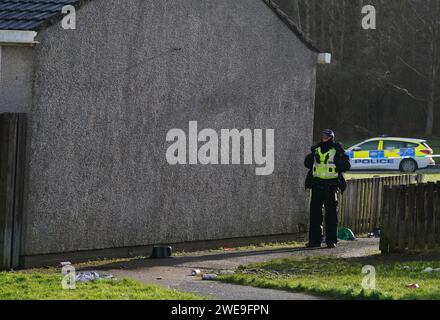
(326, 168)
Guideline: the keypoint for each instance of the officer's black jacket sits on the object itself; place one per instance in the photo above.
(342, 163)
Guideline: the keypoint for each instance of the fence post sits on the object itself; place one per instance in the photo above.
(12, 152)
(412, 217)
(394, 222)
(379, 202)
(384, 244)
(372, 205)
(437, 213)
(402, 220)
(351, 205)
(361, 207)
(341, 209)
(421, 219)
(368, 209)
(429, 209)
(355, 212)
(365, 207)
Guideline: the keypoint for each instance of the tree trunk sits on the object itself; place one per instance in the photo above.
(297, 13)
(430, 105)
(331, 26)
(342, 35)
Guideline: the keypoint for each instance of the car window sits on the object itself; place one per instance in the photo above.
(392, 145)
(410, 145)
(369, 146)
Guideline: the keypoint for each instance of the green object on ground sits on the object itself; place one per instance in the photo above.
(346, 234)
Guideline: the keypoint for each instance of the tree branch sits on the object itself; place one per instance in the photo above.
(406, 92)
(412, 68)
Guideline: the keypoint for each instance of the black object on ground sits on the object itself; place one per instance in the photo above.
(160, 252)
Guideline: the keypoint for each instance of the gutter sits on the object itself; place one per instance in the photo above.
(291, 25)
(323, 57)
(17, 38)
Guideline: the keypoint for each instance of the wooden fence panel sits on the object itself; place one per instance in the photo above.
(429, 208)
(437, 213)
(392, 217)
(384, 244)
(360, 207)
(411, 218)
(371, 201)
(12, 152)
(403, 216)
(420, 213)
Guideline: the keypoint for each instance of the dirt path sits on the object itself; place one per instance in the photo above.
(175, 272)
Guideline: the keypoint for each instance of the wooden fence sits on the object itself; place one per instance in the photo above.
(360, 207)
(411, 218)
(12, 153)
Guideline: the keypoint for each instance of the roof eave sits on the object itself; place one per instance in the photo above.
(291, 25)
(17, 38)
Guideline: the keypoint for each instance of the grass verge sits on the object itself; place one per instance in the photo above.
(261, 246)
(43, 286)
(342, 278)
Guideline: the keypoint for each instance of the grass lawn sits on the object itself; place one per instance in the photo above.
(47, 286)
(342, 278)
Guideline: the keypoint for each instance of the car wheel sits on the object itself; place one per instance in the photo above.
(408, 166)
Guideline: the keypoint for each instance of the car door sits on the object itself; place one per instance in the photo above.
(365, 156)
(392, 152)
(396, 151)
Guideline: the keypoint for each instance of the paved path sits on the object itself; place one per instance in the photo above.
(175, 272)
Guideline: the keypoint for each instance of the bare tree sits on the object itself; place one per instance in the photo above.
(381, 78)
(423, 61)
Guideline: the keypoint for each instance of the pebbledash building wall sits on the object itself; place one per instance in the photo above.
(100, 100)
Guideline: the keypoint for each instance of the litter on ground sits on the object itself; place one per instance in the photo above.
(430, 270)
(89, 276)
(346, 234)
(208, 276)
(195, 272)
(226, 272)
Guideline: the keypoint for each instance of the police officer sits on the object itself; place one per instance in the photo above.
(326, 163)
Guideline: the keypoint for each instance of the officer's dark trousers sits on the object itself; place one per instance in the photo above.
(326, 196)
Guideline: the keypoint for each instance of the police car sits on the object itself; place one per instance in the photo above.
(387, 153)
